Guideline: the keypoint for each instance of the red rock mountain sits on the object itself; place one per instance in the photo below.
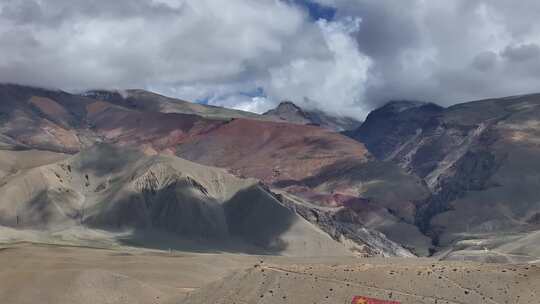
(309, 165)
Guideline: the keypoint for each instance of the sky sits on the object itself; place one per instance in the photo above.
(345, 57)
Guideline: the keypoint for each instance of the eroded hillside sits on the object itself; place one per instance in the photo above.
(478, 159)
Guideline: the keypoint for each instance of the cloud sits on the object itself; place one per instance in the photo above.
(485, 61)
(446, 51)
(195, 49)
(522, 52)
(334, 83)
(342, 56)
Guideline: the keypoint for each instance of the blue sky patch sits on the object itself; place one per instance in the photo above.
(257, 92)
(316, 11)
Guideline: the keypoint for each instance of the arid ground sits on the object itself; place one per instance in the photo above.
(38, 273)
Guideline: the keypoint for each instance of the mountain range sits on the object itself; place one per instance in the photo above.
(413, 179)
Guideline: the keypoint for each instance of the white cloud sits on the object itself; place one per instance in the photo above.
(250, 104)
(222, 51)
(335, 83)
(194, 49)
(201, 40)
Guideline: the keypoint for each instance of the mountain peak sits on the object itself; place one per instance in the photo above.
(290, 112)
(287, 104)
(287, 107)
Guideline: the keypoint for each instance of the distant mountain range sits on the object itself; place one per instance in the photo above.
(286, 111)
(414, 178)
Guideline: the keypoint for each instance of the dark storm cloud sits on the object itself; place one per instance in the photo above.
(523, 52)
(485, 61)
(447, 51)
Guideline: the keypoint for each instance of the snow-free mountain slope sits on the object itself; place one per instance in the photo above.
(479, 160)
(312, 163)
(115, 189)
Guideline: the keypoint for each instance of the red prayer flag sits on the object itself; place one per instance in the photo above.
(364, 300)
